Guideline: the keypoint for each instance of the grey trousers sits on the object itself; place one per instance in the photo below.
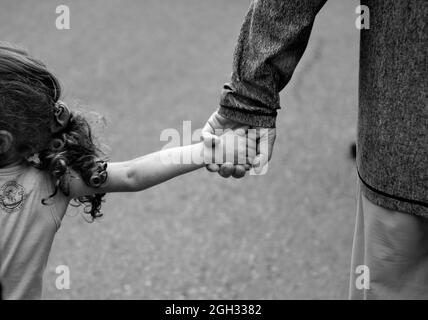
(389, 254)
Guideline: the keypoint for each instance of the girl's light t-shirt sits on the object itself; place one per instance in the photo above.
(27, 229)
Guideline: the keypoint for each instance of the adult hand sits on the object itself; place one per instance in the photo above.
(265, 142)
(215, 126)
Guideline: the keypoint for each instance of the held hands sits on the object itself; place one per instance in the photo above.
(257, 141)
(232, 152)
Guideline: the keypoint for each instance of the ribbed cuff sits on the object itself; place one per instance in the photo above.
(245, 117)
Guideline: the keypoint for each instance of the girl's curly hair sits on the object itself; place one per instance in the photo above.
(29, 94)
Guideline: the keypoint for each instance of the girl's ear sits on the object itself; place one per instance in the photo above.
(6, 141)
(61, 117)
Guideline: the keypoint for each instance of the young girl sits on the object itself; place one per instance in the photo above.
(48, 157)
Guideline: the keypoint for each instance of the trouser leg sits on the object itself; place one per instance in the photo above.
(393, 246)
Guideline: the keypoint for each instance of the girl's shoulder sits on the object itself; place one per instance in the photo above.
(30, 191)
(49, 194)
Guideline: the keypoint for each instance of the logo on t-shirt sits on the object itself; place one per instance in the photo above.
(12, 196)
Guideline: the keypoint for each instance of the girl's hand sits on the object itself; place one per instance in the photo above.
(234, 148)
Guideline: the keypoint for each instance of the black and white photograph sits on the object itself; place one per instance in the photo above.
(226, 151)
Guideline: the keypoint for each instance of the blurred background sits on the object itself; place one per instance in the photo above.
(148, 66)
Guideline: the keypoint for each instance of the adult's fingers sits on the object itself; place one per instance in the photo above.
(226, 169)
(212, 167)
(239, 171)
(259, 163)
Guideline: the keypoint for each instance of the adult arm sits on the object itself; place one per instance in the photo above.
(272, 40)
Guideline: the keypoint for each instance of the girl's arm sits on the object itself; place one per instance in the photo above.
(143, 172)
(157, 167)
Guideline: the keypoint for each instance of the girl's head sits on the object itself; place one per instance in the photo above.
(34, 121)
